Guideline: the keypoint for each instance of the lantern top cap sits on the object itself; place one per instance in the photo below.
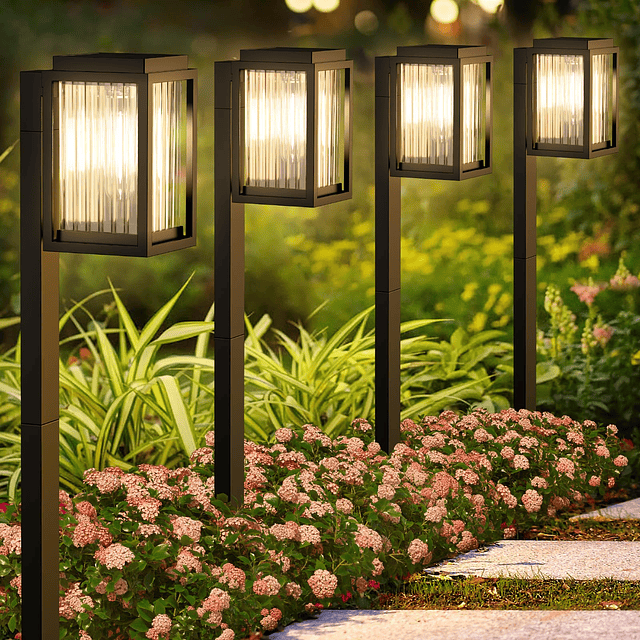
(442, 51)
(573, 43)
(121, 62)
(292, 54)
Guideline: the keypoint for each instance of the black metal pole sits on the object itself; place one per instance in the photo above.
(229, 305)
(524, 244)
(39, 445)
(387, 251)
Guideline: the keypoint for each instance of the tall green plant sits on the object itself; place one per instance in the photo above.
(119, 406)
(124, 402)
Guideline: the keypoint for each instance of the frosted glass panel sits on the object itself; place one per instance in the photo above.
(330, 127)
(473, 109)
(97, 183)
(602, 96)
(558, 96)
(275, 129)
(168, 155)
(425, 108)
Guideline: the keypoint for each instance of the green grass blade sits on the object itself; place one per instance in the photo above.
(111, 362)
(183, 331)
(153, 326)
(179, 412)
(130, 327)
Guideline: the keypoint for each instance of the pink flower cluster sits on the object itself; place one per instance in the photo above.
(419, 551)
(323, 583)
(588, 292)
(532, 500)
(445, 500)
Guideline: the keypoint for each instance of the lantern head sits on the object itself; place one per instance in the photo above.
(119, 154)
(440, 112)
(573, 104)
(291, 120)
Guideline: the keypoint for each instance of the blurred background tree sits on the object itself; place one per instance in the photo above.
(457, 260)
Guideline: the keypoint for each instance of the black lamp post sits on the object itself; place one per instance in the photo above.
(107, 166)
(565, 105)
(283, 137)
(433, 120)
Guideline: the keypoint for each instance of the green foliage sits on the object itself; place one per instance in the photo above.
(119, 406)
(123, 402)
(596, 354)
(331, 382)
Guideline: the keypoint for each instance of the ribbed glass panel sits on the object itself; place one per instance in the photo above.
(425, 107)
(275, 129)
(601, 98)
(97, 183)
(558, 98)
(168, 155)
(473, 108)
(330, 127)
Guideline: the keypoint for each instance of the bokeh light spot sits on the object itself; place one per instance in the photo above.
(490, 6)
(366, 22)
(444, 11)
(299, 6)
(326, 6)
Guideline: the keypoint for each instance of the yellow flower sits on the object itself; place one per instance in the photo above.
(478, 323)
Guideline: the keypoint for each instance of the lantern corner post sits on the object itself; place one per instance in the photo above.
(387, 268)
(524, 239)
(229, 301)
(39, 431)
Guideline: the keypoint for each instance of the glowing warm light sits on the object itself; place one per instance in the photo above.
(275, 128)
(473, 101)
(559, 99)
(98, 156)
(601, 107)
(426, 114)
(275, 133)
(330, 126)
(366, 22)
(444, 11)
(490, 6)
(299, 6)
(168, 162)
(326, 6)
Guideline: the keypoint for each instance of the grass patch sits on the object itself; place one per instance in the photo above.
(439, 592)
(463, 592)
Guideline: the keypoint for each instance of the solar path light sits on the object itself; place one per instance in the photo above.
(283, 137)
(565, 105)
(433, 120)
(107, 166)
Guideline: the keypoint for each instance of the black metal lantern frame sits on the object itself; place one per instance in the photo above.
(588, 50)
(311, 62)
(456, 57)
(144, 71)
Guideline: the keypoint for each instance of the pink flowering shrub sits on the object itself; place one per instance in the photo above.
(152, 555)
(589, 352)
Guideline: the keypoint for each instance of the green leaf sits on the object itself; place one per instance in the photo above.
(153, 326)
(546, 371)
(9, 322)
(183, 331)
(130, 327)
(179, 412)
(110, 361)
(5, 153)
